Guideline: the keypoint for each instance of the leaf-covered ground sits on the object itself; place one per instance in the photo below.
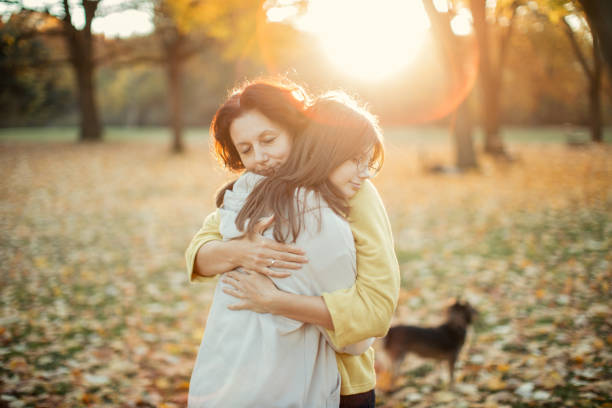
(96, 309)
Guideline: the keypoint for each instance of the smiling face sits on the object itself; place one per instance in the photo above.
(350, 175)
(263, 145)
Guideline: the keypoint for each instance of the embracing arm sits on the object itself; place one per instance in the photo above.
(209, 233)
(350, 315)
(365, 309)
(259, 294)
(207, 255)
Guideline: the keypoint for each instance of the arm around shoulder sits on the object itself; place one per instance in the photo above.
(207, 233)
(365, 310)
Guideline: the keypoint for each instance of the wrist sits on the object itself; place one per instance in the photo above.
(233, 252)
(274, 301)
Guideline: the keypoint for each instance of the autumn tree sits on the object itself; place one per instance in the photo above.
(452, 49)
(599, 13)
(586, 46)
(79, 44)
(493, 27)
(31, 89)
(185, 28)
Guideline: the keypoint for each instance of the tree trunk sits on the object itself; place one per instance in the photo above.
(90, 128)
(595, 93)
(175, 95)
(490, 94)
(80, 45)
(450, 49)
(599, 13)
(593, 75)
(493, 140)
(462, 135)
(173, 42)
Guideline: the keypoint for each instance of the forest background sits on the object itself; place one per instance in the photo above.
(497, 181)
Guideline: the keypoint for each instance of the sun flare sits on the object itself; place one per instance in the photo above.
(367, 39)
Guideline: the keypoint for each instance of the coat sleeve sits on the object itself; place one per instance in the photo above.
(365, 309)
(208, 232)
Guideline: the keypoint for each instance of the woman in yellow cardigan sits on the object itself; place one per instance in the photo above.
(254, 130)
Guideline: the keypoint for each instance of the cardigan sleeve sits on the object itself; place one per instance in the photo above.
(365, 309)
(208, 232)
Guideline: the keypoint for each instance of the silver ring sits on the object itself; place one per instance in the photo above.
(272, 263)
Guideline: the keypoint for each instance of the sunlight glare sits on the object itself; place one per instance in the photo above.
(441, 5)
(461, 24)
(123, 24)
(276, 14)
(365, 38)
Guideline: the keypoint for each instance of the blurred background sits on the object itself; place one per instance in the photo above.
(497, 180)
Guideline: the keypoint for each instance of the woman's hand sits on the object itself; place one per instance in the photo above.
(253, 289)
(259, 254)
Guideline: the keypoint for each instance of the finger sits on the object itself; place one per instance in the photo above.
(231, 282)
(232, 275)
(237, 306)
(233, 293)
(286, 257)
(287, 265)
(280, 247)
(263, 224)
(274, 274)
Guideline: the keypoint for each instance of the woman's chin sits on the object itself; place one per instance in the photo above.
(349, 193)
(268, 171)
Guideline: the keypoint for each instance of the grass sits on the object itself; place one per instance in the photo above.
(96, 310)
(423, 135)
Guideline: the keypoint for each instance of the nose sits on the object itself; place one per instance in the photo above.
(365, 173)
(261, 156)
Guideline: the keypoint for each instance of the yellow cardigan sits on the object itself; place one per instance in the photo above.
(359, 312)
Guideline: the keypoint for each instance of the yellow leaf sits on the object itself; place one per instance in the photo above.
(183, 386)
(162, 383)
(503, 367)
(40, 262)
(18, 364)
(496, 384)
(598, 344)
(173, 348)
(552, 380)
(89, 398)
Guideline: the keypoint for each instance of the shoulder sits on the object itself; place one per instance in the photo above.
(368, 214)
(234, 199)
(246, 182)
(367, 200)
(308, 200)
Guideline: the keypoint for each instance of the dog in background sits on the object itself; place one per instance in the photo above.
(443, 342)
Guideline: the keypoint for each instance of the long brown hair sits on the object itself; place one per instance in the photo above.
(338, 130)
(279, 99)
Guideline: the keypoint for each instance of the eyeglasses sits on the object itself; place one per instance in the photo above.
(364, 164)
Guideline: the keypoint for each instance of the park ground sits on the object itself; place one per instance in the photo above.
(96, 309)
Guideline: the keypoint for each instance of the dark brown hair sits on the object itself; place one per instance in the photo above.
(338, 130)
(278, 99)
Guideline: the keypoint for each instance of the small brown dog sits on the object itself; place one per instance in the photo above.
(443, 342)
